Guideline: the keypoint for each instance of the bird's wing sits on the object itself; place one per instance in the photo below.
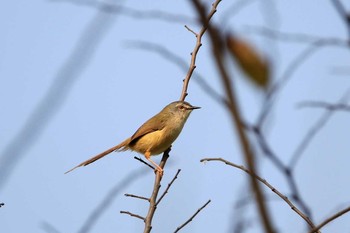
(149, 126)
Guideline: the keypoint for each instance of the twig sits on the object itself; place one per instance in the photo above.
(342, 12)
(328, 106)
(55, 96)
(95, 215)
(113, 8)
(232, 107)
(192, 217)
(132, 215)
(284, 169)
(296, 37)
(330, 219)
(168, 187)
(48, 227)
(144, 162)
(189, 29)
(267, 184)
(196, 49)
(231, 11)
(153, 198)
(181, 63)
(314, 130)
(135, 196)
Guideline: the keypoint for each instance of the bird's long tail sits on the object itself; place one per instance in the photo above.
(121, 147)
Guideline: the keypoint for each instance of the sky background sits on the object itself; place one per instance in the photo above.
(71, 73)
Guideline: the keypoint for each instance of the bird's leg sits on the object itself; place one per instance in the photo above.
(158, 168)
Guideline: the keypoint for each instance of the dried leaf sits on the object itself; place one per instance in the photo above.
(250, 61)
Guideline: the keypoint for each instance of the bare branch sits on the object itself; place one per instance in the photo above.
(112, 8)
(172, 57)
(325, 105)
(144, 162)
(108, 199)
(48, 227)
(135, 196)
(196, 49)
(267, 184)
(192, 217)
(132, 215)
(56, 95)
(168, 187)
(190, 30)
(296, 37)
(330, 219)
(153, 198)
(232, 107)
(343, 13)
(314, 130)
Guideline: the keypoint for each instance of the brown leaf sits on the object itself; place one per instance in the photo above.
(249, 60)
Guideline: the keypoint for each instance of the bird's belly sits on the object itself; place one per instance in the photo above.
(156, 142)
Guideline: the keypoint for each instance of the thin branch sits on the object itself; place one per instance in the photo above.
(172, 57)
(284, 169)
(190, 30)
(325, 105)
(196, 49)
(132, 214)
(153, 198)
(56, 95)
(231, 11)
(232, 107)
(330, 219)
(267, 184)
(95, 215)
(344, 14)
(192, 217)
(135, 196)
(112, 8)
(48, 227)
(168, 187)
(296, 37)
(283, 80)
(144, 162)
(314, 130)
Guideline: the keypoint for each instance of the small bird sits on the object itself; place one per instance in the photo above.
(155, 136)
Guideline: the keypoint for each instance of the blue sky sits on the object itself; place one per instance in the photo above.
(110, 88)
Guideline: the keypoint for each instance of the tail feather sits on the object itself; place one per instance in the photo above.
(121, 147)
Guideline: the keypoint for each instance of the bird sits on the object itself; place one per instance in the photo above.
(155, 136)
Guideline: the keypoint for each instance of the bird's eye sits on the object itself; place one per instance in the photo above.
(181, 107)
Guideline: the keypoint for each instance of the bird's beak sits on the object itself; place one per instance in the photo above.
(194, 107)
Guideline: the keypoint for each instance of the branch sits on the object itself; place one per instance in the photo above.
(153, 198)
(314, 130)
(55, 96)
(132, 215)
(342, 12)
(232, 106)
(108, 199)
(196, 49)
(328, 106)
(135, 196)
(192, 217)
(330, 219)
(168, 187)
(172, 57)
(296, 37)
(267, 184)
(144, 162)
(112, 8)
